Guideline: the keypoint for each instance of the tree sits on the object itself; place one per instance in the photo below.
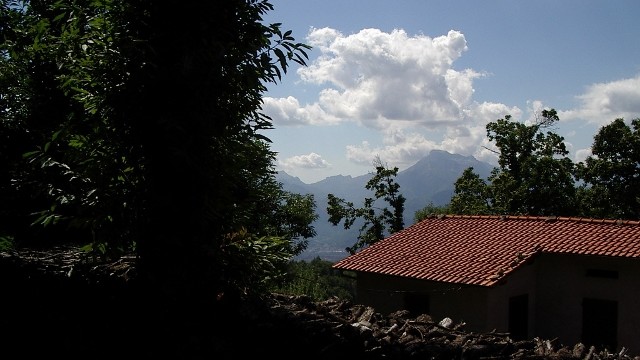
(471, 195)
(611, 177)
(535, 176)
(377, 222)
(274, 212)
(430, 210)
(32, 107)
(142, 127)
(210, 63)
(318, 280)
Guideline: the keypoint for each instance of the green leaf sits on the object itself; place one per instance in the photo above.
(30, 154)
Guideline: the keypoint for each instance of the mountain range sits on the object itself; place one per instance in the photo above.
(430, 181)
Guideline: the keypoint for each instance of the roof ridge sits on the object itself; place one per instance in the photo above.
(539, 218)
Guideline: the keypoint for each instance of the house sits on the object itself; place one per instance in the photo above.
(570, 279)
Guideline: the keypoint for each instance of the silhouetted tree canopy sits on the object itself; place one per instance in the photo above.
(611, 174)
(535, 176)
(377, 220)
(136, 126)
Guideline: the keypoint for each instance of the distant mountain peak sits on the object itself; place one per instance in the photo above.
(443, 154)
(339, 177)
(284, 175)
(430, 180)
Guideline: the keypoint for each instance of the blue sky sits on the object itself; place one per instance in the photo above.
(397, 79)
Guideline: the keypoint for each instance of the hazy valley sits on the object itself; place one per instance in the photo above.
(430, 180)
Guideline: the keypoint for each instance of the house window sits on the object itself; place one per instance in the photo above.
(519, 316)
(600, 323)
(417, 303)
(601, 273)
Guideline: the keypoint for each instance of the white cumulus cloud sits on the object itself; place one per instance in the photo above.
(288, 112)
(604, 102)
(403, 86)
(399, 149)
(309, 161)
(376, 78)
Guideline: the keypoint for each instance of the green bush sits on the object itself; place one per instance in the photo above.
(318, 280)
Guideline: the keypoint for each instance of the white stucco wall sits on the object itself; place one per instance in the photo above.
(562, 284)
(520, 282)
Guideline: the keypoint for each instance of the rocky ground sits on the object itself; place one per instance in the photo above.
(44, 314)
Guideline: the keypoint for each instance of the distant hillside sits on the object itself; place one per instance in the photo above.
(430, 180)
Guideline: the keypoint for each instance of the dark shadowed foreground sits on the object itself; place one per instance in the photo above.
(60, 303)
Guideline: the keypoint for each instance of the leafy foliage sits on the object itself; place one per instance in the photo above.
(139, 124)
(252, 264)
(376, 221)
(268, 210)
(316, 279)
(471, 195)
(535, 176)
(80, 165)
(430, 210)
(611, 175)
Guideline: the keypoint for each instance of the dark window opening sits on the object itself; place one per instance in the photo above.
(519, 317)
(417, 303)
(600, 323)
(601, 273)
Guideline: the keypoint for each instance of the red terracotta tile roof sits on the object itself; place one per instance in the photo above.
(482, 250)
